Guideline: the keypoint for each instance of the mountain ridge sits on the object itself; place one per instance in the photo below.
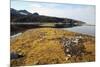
(35, 17)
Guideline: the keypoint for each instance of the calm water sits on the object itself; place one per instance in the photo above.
(89, 30)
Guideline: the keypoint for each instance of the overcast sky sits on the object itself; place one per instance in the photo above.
(84, 13)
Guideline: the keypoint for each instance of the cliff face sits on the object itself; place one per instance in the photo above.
(51, 46)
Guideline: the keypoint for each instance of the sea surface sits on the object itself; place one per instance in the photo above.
(85, 29)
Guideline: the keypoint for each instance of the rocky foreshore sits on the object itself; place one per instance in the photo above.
(51, 46)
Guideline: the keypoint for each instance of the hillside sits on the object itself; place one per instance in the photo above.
(25, 16)
(51, 46)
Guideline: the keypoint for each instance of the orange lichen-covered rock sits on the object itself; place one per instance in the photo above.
(45, 46)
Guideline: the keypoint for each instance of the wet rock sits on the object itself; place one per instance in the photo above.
(15, 56)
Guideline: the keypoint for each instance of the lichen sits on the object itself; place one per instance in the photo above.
(45, 46)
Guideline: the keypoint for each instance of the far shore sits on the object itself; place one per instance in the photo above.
(90, 24)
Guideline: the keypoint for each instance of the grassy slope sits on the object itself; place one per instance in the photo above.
(43, 46)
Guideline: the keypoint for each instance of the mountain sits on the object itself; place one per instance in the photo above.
(15, 14)
(24, 12)
(20, 12)
(35, 14)
(13, 11)
(25, 16)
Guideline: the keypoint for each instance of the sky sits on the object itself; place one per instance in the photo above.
(85, 13)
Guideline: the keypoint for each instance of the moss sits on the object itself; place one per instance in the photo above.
(43, 46)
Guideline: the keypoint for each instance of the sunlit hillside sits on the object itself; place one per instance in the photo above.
(51, 46)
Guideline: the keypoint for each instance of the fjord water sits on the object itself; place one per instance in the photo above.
(85, 29)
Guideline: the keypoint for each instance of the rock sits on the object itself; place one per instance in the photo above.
(56, 46)
(73, 45)
(15, 56)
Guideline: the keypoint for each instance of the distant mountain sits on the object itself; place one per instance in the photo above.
(25, 16)
(13, 11)
(21, 12)
(15, 14)
(24, 12)
(35, 14)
